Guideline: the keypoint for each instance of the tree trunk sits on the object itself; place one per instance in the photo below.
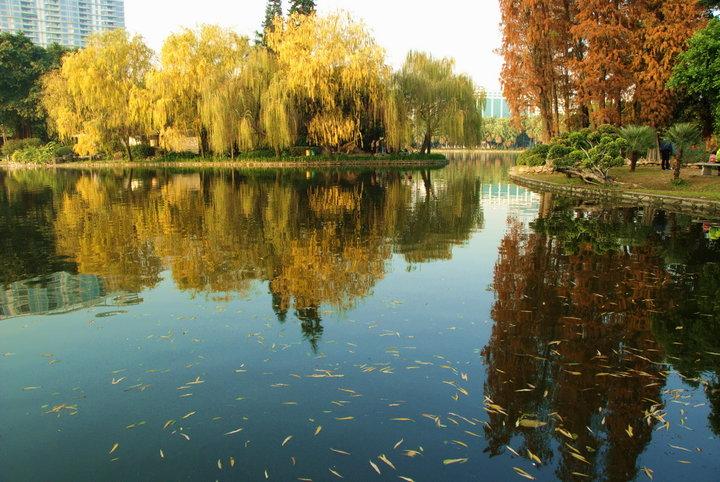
(204, 144)
(427, 144)
(678, 159)
(633, 161)
(128, 150)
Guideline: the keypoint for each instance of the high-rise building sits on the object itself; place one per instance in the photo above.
(496, 107)
(66, 22)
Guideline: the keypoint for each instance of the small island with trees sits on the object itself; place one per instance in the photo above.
(309, 88)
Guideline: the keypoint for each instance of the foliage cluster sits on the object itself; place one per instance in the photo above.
(593, 62)
(594, 150)
(41, 154)
(312, 80)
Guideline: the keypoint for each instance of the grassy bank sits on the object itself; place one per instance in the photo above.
(646, 180)
(259, 162)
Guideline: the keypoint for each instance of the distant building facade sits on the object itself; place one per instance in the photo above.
(496, 107)
(65, 22)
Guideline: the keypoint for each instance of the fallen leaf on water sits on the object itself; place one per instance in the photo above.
(399, 443)
(648, 472)
(114, 448)
(522, 473)
(528, 423)
(188, 415)
(406, 479)
(454, 461)
(534, 458)
(375, 467)
(317, 430)
(384, 458)
(341, 452)
(335, 473)
(629, 430)
(234, 431)
(287, 439)
(162, 454)
(344, 419)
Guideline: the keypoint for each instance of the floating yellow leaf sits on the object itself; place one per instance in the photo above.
(454, 461)
(522, 473)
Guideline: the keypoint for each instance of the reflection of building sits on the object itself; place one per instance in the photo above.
(496, 107)
(65, 22)
(56, 293)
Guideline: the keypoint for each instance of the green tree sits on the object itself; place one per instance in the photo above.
(303, 7)
(439, 101)
(640, 139)
(22, 65)
(272, 11)
(697, 76)
(682, 136)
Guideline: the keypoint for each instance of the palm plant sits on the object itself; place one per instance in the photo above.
(682, 136)
(640, 139)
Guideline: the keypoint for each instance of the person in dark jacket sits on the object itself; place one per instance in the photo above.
(666, 152)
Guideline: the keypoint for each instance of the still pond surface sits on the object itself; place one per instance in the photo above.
(363, 325)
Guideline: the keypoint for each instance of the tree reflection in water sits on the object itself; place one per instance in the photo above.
(587, 307)
(316, 238)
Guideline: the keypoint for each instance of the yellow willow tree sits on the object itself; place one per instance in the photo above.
(438, 101)
(96, 94)
(332, 74)
(233, 109)
(194, 63)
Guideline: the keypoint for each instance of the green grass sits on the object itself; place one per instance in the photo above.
(269, 157)
(651, 180)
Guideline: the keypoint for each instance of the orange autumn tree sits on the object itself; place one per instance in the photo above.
(530, 49)
(596, 61)
(667, 27)
(604, 74)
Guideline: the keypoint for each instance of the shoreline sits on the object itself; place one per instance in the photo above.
(694, 206)
(249, 164)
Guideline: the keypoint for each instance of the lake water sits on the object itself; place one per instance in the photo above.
(317, 324)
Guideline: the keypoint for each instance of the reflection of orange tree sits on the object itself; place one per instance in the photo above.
(573, 335)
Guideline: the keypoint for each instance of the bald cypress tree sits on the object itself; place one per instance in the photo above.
(303, 7)
(272, 10)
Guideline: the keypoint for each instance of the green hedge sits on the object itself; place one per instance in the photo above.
(46, 154)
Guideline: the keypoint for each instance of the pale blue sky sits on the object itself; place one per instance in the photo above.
(465, 29)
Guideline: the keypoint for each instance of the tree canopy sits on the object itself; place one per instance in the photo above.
(22, 65)
(697, 76)
(592, 62)
(439, 102)
(97, 95)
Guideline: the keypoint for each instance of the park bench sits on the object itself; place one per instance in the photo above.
(707, 167)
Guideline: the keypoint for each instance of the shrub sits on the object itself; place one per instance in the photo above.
(142, 151)
(13, 145)
(535, 156)
(40, 154)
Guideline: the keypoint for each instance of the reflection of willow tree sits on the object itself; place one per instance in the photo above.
(27, 243)
(690, 333)
(106, 231)
(444, 217)
(573, 334)
(321, 239)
